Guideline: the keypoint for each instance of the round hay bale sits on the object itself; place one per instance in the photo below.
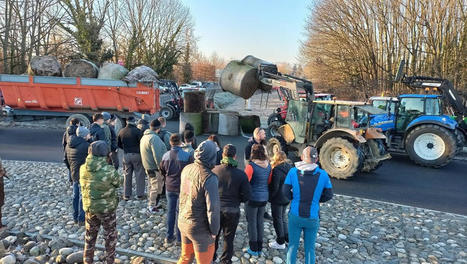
(80, 68)
(112, 71)
(142, 74)
(195, 119)
(239, 79)
(193, 102)
(248, 123)
(44, 66)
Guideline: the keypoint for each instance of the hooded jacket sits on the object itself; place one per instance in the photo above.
(152, 149)
(279, 173)
(76, 152)
(199, 206)
(99, 184)
(259, 175)
(172, 165)
(97, 132)
(70, 131)
(307, 185)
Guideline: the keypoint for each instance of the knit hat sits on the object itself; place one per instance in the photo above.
(106, 116)
(130, 120)
(82, 131)
(99, 148)
(155, 124)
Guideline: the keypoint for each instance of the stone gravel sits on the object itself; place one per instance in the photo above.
(353, 230)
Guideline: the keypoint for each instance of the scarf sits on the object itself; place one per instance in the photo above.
(229, 161)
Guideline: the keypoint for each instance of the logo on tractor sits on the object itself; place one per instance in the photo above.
(78, 101)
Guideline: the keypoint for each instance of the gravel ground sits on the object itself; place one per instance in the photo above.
(353, 230)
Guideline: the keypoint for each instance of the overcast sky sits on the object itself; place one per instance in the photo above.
(270, 30)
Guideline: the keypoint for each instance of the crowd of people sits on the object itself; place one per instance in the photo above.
(202, 184)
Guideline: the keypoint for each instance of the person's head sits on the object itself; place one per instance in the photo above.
(215, 139)
(259, 134)
(112, 120)
(258, 152)
(175, 140)
(188, 136)
(189, 126)
(206, 153)
(98, 119)
(107, 116)
(131, 120)
(99, 149)
(74, 122)
(229, 151)
(310, 155)
(163, 121)
(83, 132)
(155, 125)
(278, 158)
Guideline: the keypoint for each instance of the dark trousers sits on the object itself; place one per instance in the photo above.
(78, 213)
(114, 158)
(132, 163)
(229, 223)
(109, 223)
(280, 222)
(255, 219)
(172, 213)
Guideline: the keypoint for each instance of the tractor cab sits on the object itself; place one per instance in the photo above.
(414, 106)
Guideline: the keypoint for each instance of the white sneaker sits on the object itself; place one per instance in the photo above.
(276, 245)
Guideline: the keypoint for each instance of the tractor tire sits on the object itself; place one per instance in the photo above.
(375, 149)
(460, 139)
(273, 128)
(83, 120)
(340, 158)
(431, 145)
(167, 112)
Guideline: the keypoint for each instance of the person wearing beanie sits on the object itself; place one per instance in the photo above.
(76, 152)
(152, 149)
(96, 130)
(129, 140)
(143, 123)
(199, 207)
(234, 189)
(99, 185)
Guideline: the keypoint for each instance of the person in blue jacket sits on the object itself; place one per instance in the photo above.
(306, 186)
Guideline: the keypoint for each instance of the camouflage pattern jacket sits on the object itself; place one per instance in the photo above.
(99, 183)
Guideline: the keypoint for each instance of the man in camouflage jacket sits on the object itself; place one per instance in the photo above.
(99, 183)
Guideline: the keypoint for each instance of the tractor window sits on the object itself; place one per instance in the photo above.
(343, 116)
(432, 106)
(412, 105)
(381, 104)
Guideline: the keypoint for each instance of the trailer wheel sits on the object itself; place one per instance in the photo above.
(431, 145)
(167, 112)
(339, 158)
(83, 120)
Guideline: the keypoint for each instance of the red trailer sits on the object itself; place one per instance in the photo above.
(75, 97)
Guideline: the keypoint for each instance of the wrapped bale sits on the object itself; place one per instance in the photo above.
(248, 123)
(80, 68)
(112, 71)
(193, 102)
(240, 79)
(44, 66)
(141, 74)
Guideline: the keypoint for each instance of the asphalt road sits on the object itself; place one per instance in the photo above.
(397, 181)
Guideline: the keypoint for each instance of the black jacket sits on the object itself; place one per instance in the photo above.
(129, 138)
(234, 187)
(251, 142)
(76, 152)
(70, 131)
(97, 132)
(279, 173)
(113, 139)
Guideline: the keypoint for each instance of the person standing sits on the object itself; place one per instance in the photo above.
(259, 175)
(106, 128)
(304, 208)
(99, 185)
(70, 131)
(172, 165)
(199, 204)
(113, 141)
(259, 137)
(152, 149)
(2, 192)
(77, 150)
(143, 123)
(96, 130)
(234, 189)
(188, 137)
(278, 200)
(163, 133)
(129, 140)
(215, 139)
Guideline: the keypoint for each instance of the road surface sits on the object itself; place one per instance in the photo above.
(397, 181)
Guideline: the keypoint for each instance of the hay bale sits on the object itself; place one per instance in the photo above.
(44, 66)
(194, 102)
(141, 74)
(248, 123)
(224, 99)
(80, 68)
(112, 71)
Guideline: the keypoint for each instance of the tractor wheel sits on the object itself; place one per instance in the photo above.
(431, 145)
(83, 120)
(339, 158)
(377, 150)
(460, 139)
(167, 112)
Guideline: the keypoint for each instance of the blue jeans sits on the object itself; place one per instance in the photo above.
(78, 213)
(172, 213)
(310, 230)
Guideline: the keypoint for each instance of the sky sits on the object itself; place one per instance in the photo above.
(270, 30)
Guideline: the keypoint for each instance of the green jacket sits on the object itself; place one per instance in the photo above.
(152, 148)
(99, 183)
